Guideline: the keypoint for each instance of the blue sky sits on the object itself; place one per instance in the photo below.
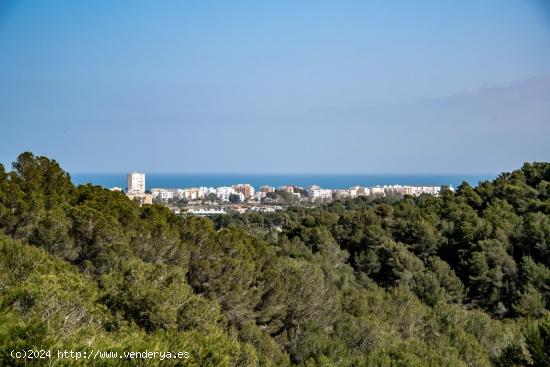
(276, 87)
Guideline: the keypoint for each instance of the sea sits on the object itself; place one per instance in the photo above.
(328, 181)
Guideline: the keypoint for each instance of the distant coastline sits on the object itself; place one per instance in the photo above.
(329, 181)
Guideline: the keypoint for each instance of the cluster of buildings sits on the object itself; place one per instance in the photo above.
(245, 193)
(387, 190)
(315, 192)
(242, 191)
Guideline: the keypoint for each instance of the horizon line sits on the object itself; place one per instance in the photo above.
(290, 173)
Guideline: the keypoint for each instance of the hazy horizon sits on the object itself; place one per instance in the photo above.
(280, 88)
(328, 181)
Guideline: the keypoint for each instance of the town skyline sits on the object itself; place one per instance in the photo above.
(243, 197)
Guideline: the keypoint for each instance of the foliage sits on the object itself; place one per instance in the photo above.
(462, 279)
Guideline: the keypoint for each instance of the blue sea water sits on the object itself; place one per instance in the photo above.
(328, 181)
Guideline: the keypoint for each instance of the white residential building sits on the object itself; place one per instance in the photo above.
(205, 191)
(191, 193)
(164, 194)
(136, 182)
(362, 191)
(204, 212)
(343, 194)
(260, 195)
(391, 190)
(431, 190)
(376, 190)
(223, 192)
(315, 192)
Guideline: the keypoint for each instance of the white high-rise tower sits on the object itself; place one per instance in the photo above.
(136, 182)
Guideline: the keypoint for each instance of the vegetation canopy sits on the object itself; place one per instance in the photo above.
(462, 279)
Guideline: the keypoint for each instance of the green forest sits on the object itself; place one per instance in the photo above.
(462, 279)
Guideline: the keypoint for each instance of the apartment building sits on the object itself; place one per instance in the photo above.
(136, 182)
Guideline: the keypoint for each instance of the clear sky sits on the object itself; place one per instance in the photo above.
(434, 86)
